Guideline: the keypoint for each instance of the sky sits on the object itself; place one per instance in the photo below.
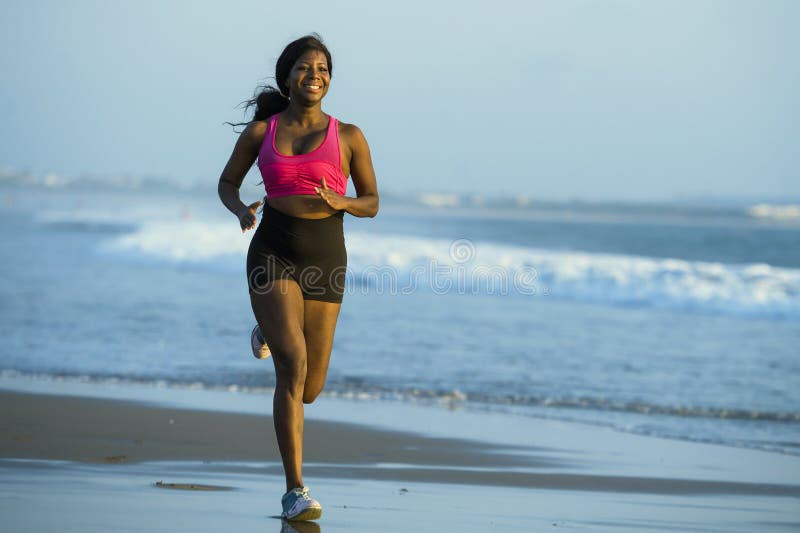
(554, 100)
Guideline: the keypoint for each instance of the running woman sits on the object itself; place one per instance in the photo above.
(297, 257)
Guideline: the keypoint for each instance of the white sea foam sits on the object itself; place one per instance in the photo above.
(775, 212)
(182, 241)
(403, 263)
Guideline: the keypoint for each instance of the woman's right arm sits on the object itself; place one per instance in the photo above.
(244, 155)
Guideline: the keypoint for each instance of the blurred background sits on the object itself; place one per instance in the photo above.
(589, 210)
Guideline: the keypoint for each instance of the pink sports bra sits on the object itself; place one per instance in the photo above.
(285, 175)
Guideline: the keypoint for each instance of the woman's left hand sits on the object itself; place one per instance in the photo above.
(333, 199)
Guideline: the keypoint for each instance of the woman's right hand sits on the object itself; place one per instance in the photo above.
(247, 216)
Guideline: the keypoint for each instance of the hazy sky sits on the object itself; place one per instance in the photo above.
(559, 99)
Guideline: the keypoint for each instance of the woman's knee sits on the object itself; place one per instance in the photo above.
(310, 393)
(316, 376)
(290, 369)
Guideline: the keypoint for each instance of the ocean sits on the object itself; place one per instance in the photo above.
(674, 320)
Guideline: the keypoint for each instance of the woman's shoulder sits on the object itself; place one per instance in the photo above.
(253, 133)
(350, 132)
(256, 127)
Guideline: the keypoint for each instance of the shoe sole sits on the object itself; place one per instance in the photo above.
(259, 353)
(312, 513)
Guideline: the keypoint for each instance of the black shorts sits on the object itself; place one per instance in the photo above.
(309, 251)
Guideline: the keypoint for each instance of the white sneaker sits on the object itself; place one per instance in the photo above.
(257, 343)
(298, 505)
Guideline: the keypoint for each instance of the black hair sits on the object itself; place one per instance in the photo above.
(269, 100)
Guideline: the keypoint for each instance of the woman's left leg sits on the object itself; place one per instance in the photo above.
(319, 326)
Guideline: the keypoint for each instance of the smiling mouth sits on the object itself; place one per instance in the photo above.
(312, 86)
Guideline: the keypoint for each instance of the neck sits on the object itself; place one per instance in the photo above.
(305, 115)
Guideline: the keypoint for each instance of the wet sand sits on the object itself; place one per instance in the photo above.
(76, 463)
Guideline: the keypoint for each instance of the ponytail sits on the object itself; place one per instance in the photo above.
(268, 101)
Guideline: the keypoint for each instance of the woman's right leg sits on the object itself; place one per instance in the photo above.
(278, 308)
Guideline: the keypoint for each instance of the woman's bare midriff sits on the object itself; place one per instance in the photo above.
(302, 206)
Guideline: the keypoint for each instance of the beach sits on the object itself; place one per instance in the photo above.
(84, 457)
(648, 383)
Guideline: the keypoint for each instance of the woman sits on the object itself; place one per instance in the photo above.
(297, 257)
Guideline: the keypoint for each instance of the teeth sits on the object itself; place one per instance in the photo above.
(313, 86)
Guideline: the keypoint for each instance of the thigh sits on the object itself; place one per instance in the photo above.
(319, 326)
(278, 309)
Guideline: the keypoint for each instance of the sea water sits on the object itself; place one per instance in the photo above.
(672, 320)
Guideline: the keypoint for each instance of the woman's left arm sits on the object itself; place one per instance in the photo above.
(363, 175)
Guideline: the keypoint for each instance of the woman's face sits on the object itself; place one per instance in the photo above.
(309, 78)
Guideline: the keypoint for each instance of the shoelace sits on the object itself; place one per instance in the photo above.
(301, 493)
